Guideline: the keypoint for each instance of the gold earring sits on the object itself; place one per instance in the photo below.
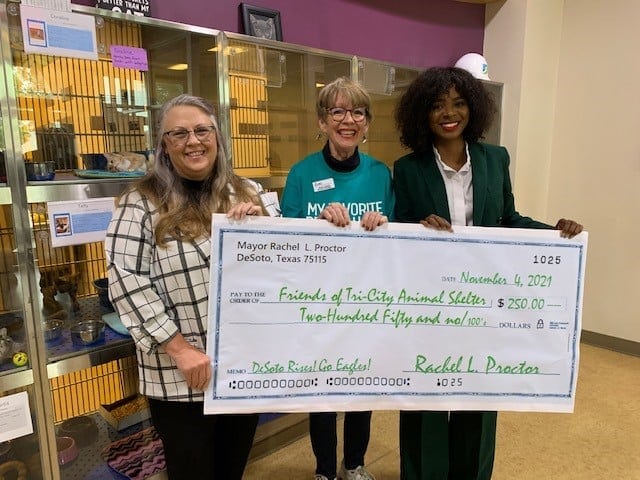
(319, 135)
(364, 139)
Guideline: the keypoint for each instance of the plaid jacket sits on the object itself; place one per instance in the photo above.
(157, 293)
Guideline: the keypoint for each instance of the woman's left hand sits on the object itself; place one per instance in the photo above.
(568, 228)
(372, 220)
(241, 210)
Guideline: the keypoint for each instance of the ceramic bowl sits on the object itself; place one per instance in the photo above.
(6, 451)
(53, 330)
(39, 171)
(6, 346)
(94, 161)
(100, 161)
(87, 333)
(102, 286)
(13, 323)
(82, 429)
(67, 450)
(13, 469)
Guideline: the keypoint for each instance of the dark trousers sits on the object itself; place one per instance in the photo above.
(447, 445)
(324, 440)
(202, 447)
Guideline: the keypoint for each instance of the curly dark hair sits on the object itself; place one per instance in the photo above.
(412, 111)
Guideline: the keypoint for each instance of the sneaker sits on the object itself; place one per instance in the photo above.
(358, 473)
(321, 477)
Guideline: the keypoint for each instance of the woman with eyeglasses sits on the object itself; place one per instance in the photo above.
(157, 248)
(341, 184)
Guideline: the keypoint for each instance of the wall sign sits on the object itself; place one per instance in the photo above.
(54, 32)
(76, 222)
(141, 8)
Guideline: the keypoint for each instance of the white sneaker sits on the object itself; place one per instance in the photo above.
(358, 473)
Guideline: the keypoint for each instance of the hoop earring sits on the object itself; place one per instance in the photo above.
(319, 135)
(364, 139)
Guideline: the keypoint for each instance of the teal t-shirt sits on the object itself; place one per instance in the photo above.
(312, 185)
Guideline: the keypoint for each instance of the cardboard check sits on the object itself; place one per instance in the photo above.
(305, 317)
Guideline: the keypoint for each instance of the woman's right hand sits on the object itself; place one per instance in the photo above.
(194, 364)
(337, 214)
(437, 223)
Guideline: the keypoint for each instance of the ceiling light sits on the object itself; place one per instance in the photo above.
(178, 66)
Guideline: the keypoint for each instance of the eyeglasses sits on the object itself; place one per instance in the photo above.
(181, 136)
(338, 114)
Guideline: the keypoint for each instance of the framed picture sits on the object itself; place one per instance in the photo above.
(261, 22)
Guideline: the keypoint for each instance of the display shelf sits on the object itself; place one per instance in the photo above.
(68, 178)
(10, 374)
(65, 357)
(15, 378)
(276, 430)
(69, 187)
(90, 465)
(273, 431)
(7, 367)
(272, 182)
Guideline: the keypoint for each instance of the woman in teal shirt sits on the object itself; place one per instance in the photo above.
(341, 184)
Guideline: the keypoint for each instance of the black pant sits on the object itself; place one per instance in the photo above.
(202, 447)
(324, 440)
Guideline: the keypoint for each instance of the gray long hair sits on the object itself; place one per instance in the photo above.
(182, 214)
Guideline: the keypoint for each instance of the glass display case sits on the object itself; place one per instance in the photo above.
(385, 83)
(272, 95)
(63, 118)
(493, 134)
(21, 407)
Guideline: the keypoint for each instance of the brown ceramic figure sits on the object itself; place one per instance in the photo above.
(69, 284)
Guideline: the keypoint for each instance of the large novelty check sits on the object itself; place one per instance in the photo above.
(305, 317)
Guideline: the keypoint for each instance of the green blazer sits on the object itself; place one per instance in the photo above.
(420, 189)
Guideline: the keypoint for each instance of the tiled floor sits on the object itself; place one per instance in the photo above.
(599, 441)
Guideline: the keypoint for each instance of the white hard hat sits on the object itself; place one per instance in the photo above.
(475, 64)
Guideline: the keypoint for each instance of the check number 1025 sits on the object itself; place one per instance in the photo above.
(449, 382)
(547, 259)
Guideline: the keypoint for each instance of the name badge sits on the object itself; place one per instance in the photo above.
(322, 185)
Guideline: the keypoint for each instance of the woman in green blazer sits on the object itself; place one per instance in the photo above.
(452, 179)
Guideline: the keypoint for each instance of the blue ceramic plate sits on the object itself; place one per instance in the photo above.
(113, 320)
(106, 174)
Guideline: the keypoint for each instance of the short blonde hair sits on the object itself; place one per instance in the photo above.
(352, 91)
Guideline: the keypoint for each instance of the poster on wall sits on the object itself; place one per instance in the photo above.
(123, 56)
(140, 8)
(53, 32)
(28, 138)
(63, 5)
